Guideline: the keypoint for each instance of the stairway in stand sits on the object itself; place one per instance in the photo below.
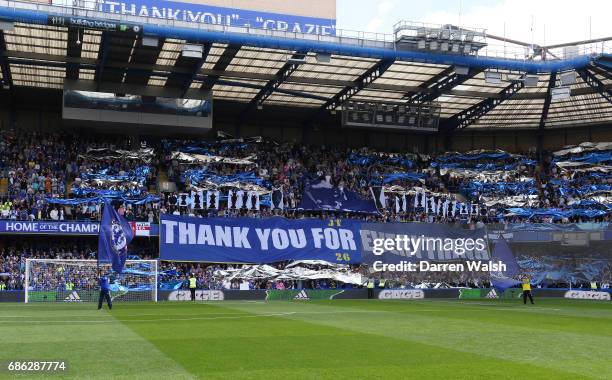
(3, 186)
(162, 177)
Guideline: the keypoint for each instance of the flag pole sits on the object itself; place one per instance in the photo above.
(99, 235)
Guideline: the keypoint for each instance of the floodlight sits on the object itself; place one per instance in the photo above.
(462, 70)
(530, 80)
(192, 51)
(7, 26)
(568, 78)
(560, 93)
(297, 59)
(323, 57)
(492, 77)
(150, 41)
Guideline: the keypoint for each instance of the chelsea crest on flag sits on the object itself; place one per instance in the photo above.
(115, 235)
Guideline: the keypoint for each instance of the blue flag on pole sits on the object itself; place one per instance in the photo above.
(503, 280)
(321, 195)
(115, 235)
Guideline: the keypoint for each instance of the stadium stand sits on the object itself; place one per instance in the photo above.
(495, 183)
(399, 135)
(247, 191)
(37, 182)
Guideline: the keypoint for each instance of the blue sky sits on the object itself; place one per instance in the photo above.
(554, 21)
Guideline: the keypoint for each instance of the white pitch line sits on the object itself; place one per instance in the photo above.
(243, 314)
(358, 311)
(478, 305)
(161, 319)
(494, 306)
(228, 316)
(122, 315)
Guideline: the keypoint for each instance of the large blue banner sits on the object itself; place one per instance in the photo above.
(322, 195)
(258, 241)
(554, 213)
(79, 201)
(589, 158)
(473, 189)
(204, 177)
(504, 279)
(392, 177)
(371, 159)
(570, 255)
(207, 14)
(261, 241)
(481, 161)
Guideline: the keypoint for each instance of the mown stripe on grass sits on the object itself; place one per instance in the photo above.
(282, 347)
(588, 320)
(93, 351)
(569, 352)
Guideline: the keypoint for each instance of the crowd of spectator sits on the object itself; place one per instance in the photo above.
(290, 167)
(175, 275)
(172, 275)
(38, 168)
(14, 253)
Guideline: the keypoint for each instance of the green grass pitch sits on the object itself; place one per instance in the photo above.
(339, 339)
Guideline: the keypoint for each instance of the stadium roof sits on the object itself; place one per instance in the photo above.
(259, 67)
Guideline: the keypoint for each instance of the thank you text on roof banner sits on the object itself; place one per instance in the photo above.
(284, 16)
